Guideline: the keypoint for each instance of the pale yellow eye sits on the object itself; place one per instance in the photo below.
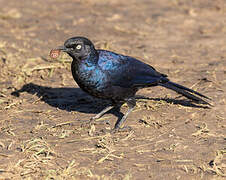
(78, 47)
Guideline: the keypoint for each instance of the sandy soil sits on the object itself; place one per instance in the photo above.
(42, 108)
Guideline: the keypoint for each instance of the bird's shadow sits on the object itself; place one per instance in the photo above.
(74, 99)
(69, 99)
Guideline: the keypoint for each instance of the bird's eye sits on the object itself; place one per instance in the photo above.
(78, 47)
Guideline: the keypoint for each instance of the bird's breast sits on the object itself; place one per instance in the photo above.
(89, 78)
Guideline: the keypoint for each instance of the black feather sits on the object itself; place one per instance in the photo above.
(186, 92)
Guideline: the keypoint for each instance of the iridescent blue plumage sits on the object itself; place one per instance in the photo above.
(116, 77)
(128, 72)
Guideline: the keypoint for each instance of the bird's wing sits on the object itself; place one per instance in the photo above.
(125, 71)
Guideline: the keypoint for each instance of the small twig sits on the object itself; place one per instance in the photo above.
(63, 124)
(89, 138)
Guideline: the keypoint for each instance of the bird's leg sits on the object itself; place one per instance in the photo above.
(131, 102)
(108, 108)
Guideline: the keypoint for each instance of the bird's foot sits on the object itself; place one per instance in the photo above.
(123, 129)
(88, 123)
(93, 118)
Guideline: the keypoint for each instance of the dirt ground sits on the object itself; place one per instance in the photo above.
(42, 108)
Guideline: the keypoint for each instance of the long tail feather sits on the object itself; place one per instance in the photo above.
(185, 92)
(187, 89)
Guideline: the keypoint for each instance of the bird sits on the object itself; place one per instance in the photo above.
(115, 77)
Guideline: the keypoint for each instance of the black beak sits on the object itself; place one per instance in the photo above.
(63, 48)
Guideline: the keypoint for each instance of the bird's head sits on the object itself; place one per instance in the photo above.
(78, 48)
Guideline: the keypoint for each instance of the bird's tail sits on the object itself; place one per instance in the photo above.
(189, 93)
